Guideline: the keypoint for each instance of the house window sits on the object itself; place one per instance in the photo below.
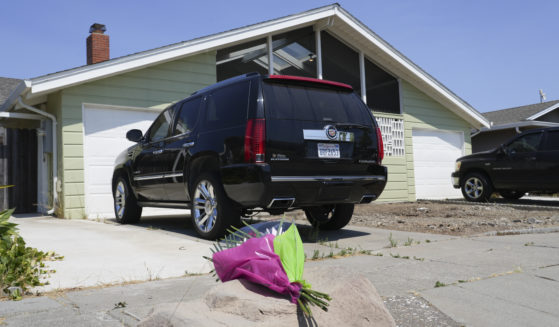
(340, 63)
(383, 92)
(392, 131)
(295, 53)
(241, 59)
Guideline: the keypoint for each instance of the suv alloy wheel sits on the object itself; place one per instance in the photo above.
(476, 188)
(127, 210)
(212, 212)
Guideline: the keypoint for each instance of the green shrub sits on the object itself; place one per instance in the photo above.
(21, 267)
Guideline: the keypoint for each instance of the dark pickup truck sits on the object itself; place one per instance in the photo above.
(526, 163)
(255, 143)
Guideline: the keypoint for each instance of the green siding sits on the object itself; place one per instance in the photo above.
(153, 87)
(419, 112)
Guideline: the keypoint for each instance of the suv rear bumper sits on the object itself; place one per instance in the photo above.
(254, 186)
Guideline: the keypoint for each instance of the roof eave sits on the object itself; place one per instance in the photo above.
(543, 112)
(534, 123)
(53, 82)
(20, 90)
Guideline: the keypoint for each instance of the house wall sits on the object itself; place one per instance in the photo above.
(419, 111)
(153, 87)
(552, 117)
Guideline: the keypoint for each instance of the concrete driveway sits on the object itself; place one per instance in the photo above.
(482, 280)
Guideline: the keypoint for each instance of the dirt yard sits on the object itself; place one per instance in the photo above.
(458, 217)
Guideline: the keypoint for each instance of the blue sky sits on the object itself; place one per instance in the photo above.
(493, 54)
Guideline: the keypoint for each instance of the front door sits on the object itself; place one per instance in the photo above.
(149, 165)
(515, 168)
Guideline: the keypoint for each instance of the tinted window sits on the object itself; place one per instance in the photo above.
(339, 62)
(383, 91)
(294, 53)
(228, 106)
(283, 101)
(160, 127)
(241, 59)
(526, 143)
(188, 116)
(552, 142)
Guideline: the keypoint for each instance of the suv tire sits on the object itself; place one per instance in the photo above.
(212, 211)
(330, 217)
(127, 210)
(512, 195)
(476, 187)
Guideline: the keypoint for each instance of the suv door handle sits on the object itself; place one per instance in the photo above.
(158, 151)
(188, 145)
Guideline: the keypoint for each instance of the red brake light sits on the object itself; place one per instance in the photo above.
(380, 145)
(255, 137)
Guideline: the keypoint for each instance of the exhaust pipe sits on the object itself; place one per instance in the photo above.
(281, 203)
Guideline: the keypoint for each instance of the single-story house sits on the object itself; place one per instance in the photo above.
(86, 111)
(506, 123)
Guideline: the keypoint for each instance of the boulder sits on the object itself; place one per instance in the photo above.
(355, 302)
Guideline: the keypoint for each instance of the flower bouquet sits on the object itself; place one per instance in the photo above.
(267, 255)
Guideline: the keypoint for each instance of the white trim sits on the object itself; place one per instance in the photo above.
(56, 81)
(362, 76)
(90, 105)
(404, 62)
(543, 112)
(270, 48)
(534, 123)
(318, 41)
(20, 115)
(49, 83)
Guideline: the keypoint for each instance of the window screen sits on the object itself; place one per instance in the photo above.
(284, 101)
(383, 91)
(294, 53)
(241, 59)
(552, 142)
(188, 116)
(228, 106)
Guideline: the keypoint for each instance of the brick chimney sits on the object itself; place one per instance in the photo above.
(97, 44)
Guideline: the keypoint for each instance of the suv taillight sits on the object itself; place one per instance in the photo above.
(380, 145)
(255, 138)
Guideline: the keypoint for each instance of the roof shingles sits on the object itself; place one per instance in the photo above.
(516, 114)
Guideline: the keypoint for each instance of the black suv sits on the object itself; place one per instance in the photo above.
(526, 163)
(255, 143)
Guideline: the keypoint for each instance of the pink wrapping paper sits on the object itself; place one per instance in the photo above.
(255, 261)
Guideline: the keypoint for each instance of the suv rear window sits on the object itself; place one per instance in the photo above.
(284, 101)
(228, 106)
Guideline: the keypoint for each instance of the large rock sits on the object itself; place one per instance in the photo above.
(355, 302)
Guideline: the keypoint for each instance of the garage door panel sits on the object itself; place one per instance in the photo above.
(435, 153)
(104, 139)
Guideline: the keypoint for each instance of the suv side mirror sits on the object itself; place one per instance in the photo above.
(134, 135)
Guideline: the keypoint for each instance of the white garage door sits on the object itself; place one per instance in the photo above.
(434, 155)
(105, 130)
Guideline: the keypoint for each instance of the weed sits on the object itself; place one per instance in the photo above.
(427, 241)
(405, 257)
(378, 254)
(330, 255)
(366, 252)
(393, 242)
(121, 304)
(418, 259)
(408, 242)
(394, 255)
(462, 281)
(315, 255)
(439, 284)
(529, 244)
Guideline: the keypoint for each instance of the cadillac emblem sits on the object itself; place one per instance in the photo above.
(331, 131)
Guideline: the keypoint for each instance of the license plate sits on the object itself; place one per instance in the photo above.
(328, 150)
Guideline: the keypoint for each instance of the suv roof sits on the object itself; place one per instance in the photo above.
(286, 78)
